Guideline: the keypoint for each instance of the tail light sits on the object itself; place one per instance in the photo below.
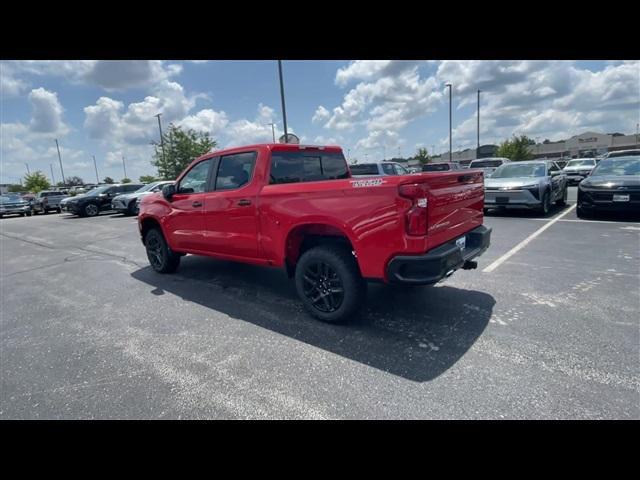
(416, 218)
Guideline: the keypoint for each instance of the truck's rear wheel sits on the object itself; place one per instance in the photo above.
(329, 283)
(161, 257)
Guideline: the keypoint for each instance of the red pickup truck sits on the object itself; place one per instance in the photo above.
(297, 207)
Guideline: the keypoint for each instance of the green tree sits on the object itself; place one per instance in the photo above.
(422, 155)
(180, 148)
(108, 180)
(125, 180)
(516, 149)
(36, 182)
(147, 179)
(74, 181)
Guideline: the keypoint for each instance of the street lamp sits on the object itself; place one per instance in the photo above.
(478, 148)
(284, 110)
(273, 131)
(161, 139)
(450, 129)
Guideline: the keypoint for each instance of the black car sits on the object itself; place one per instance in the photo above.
(614, 185)
(98, 199)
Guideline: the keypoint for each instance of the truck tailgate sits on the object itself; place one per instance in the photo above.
(455, 204)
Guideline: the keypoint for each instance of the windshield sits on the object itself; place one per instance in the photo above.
(626, 166)
(364, 169)
(97, 191)
(581, 163)
(485, 163)
(524, 170)
(11, 198)
(435, 167)
(147, 187)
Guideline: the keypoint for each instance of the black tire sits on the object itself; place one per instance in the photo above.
(59, 210)
(23, 214)
(131, 208)
(28, 213)
(329, 283)
(545, 205)
(90, 210)
(562, 201)
(161, 258)
(44, 211)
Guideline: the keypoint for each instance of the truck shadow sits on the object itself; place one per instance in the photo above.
(416, 333)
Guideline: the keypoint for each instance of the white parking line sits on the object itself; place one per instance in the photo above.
(586, 221)
(525, 242)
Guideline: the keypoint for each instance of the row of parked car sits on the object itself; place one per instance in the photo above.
(537, 184)
(123, 198)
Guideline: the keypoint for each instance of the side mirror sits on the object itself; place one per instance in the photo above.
(168, 191)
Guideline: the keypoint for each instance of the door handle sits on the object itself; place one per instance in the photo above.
(244, 202)
(196, 204)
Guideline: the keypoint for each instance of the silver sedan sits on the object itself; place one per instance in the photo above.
(530, 184)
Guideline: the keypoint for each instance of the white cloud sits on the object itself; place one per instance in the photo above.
(206, 120)
(10, 85)
(46, 116)
(321, 114)
(243, 132)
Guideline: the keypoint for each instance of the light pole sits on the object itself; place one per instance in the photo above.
(478, 147)
(64, 182)
(450, 129)
(348, 154)
(161, 139)
(53, 179)
(124, 167)
(95, 165)
(273, 131)
(28, 172)
(284, 110)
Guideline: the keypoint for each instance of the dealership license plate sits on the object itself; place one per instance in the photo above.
(461, 243)
(620, 198)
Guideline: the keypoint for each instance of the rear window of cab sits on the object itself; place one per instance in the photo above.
(306, 166)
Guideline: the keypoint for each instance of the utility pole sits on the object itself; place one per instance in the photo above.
(53, 179)
(28, 172)
(95, 165)
(385, 152)
(124, 167)
(273, 131)
(478, 148)
(64, 182)
(284, 110)
(161, 139)
(450, 129)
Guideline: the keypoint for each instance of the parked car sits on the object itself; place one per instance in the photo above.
(614, 185)
(622, 153)
(298, 207)
(29, 198)
(578, 169)
(531, 184)
(48, 200)
(488, 165)
(377, 169)
(92, 203)
(127, 203)
(440, 166)
(14, 204)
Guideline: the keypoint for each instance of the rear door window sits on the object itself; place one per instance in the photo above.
(364, 169)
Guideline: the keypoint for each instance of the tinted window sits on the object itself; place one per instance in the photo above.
(50, 194)
(435, 167)
(195, 181)
(292, 167)
(553, 167)
(131, 187)
(364, 169)
(581, 163)
(235, 170)
(515, 170)
(486, 163)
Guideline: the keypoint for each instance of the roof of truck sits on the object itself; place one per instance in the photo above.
(273, 147)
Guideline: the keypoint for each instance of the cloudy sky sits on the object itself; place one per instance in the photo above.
(372, 108)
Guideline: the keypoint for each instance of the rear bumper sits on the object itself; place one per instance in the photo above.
(440, 262)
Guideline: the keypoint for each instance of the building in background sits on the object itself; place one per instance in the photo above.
(587, 144)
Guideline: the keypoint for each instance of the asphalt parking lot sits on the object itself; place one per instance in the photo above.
(547, 327)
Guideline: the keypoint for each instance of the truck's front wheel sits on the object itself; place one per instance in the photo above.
(329, 283)
(161, 257)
